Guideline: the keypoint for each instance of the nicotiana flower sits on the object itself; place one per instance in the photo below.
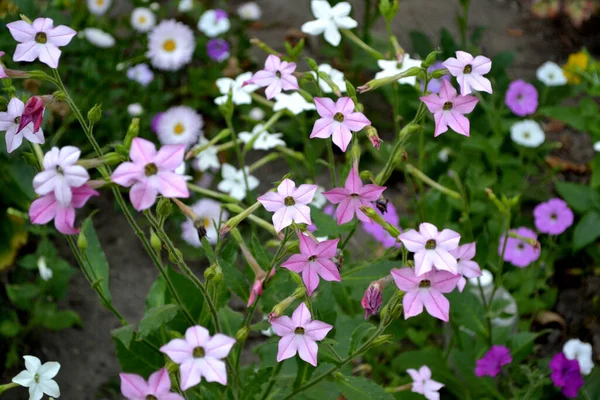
(217, 49)
(395, 67)
(233, 182)
(3, 73)
(171, 45)
(276, 76)
(261, 139)
(314, 261)
(141, 73)
(492, 362)
(289, 203)
(142, 19)
(527, 133)
(518, 252)
(294, 102)
(249, 11)
(425, 290)
(432, 248)
(435, 85)
(299, 334)
(135, 109)
(158, 386)
(377, 231)
(551, 74)
(151, 173)
(40, 39)
(38, 378)
(98, 37)
(448, 109)
(575, 349)
(521, 98)
(98, 7)
(200, 356)
(352, 196)
(240, 93)
(207, 158)
(338, 120)
(10, 121)
(180, 125)
(336, 76)
(423, 384)
(469, 72)
(566, 375)
(372, 299)
(464, 263)
(155, 121)
(45, 272)
(553, 217)
(213, 23)
(208, 212)
(329, 20)
(185, 5)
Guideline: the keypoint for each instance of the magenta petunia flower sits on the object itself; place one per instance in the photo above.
(218, 49)
(299, 334)
(521, 98)
(566, 375)
(518, 252)
(338, 120)
(158, 386)
(425, 290)
(152, 172)
(469, 72)
(277, 76)
(423, 384)
(491, 363)
(448, 109)
(313, 261)
(465, 265)
(372, 299)
(553, 217)
(289, 203)
(352, 196)
(377, 231)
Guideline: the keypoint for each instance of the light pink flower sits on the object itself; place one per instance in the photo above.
(60, 174)
(41, 39)
(313, 261)
(423, 384)
(3, 73)
(9, 122)
(431, 248)
(200, 355)
(299, 334)
(448, 109)
(425, 290)
(464, 263)
(276, 76)
(469, 72)
(338, 120)
(352, 196)
(47, 208)
(158, 387)
(151, 173)
(290, 203)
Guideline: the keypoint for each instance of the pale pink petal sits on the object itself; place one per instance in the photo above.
(315, 27)
(429, 231)
(33, 137)
(64, 221)
(22, 31)
(444, 282)
(336, 195)
(458, 122)
(196, 336)
(301, 315)
(289, 82)
(76, 175)
(178, 350)
(479, 82)
(341, 136)
(353, 183)
(447, 239)
(465, 252)
(328, 270)
(322, 128)
(43, 210)
(43, 24)
(405, 279)
(282, 218)
(296, 263)
(455, 66)
(171, 396)
(425, 373)
(63, 193)
(317, 330)
(301, 214)
(264, 78)
(287, 347)
(304, 193)
(412, 305)
(359, 214)
(45, 181)
(435, 303)
(441, 125)
(49, 55)
(287, 68)
(327, 248)
(273, 89)
(213, 370)
(346, 210)
(447, 91)
(133, 386)
(414, 374)
(272, 62)
(464, 104)
(13, 140)
(27, 51)
(413, 240)
(481, 65)
(61, 35)
(464, 57)
(310, 279)
(189, 374)
(469, 269)
(371, 192)
(344, 105)
(172, 184)
(127, 173)
(461, 284)
(159, 382)
(465, 88)
(325, 106)
(356, 121)
(307, 349)
(142, 195)
(308, 246)
(443, 260)
(272, 201)
(424, 261)
(286, 188)
(142, 151)
(169, 157)
(433, 102)
(283, 325)
(219, 346)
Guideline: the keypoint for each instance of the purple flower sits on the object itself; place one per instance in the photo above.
(521, 98)
(377, 231)
(491, 363)
(566, 375)
(371, 301)
(553, 217)
(435, 84)
(217, 49)
(156, 121)
(518, 252)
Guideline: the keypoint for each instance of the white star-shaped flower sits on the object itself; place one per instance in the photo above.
(329, 20)
(294, 102)
(38, 378)
(262, 140)
(393, 67)
(240, 94)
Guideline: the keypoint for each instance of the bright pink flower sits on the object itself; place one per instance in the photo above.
(464, 263)
(566, 375)
(423, 384)
(469, 72)
(9, 122)
(200, 355)
(257, 289)
(299, 334)
(276, 76)
(60, 174)
(519, 252)
(34, 112)
(158, 387)
(372, 299)
(352, 196)
(431, 248)
(151, 173)
(448, 109)
(338, 120)
(492, 362)
(553, 217)
(290, 203)
(40, 40)
(425, 290)
(313, 261)
(2, 71)
(47, 208)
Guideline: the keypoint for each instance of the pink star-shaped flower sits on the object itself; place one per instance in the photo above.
(338, 120)
(276, 76)
(151, 173)
(464, 263)
(352, 196)
(431, 248)
(290, 203)
(469, 72)
(134, 387)
(299, 334)
(448, 109)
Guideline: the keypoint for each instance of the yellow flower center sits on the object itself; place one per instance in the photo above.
(99, 2)
(178, 128)
(142, 19)
(169, 45)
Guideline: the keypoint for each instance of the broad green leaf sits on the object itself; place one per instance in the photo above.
(521, 345)
(360, 333)
(140, 358)
(192, 300)
(587, 230)
(156, 295)
(23, 294)
(234, 280)
(50, 317)
(97, 259)
(361, 388)
(124, 334)
(421, 44)
(467, 311)
(231, 321)
(569, 115)
(155, 318)
(579, 197)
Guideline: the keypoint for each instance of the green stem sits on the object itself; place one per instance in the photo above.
(238, 152)
(420, 175)
(272, 381)
(331, 162)
(357, 41)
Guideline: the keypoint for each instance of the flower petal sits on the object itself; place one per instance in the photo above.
(287, 347)
(317, 330)
(133, 386)
(301, 315)
(405, 279)
(219, 346)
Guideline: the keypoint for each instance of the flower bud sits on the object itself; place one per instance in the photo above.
(33, 112)
(430, 59)
(383, 339)
(155, 241)
(132, 132)
(393, 309)
(175, 256)
(235, 221)
(438, 73)
(373, 136)
(391, 229)
(242, 334)
(25, 18)
(377, 83)
(82, 242)
(95, 113)
(59, 95)
(371, 301)
(214, 273)
(164, 207)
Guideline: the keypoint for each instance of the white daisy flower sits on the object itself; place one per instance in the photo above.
(551, 74)
(336, 76)
(98, 37)
(142, 19)
(240, 93)
(170, 45)
(135, 109)
(180, 125)
(233, 182)
(294, 102)
(393, 67)
(38, 378)
(263, 140)
(249, 11)
(98, 7)
(257, 114)
(207, 158)
(213, 23)
(185, 5)
(575, 349)
(329, 20)
(527, 133)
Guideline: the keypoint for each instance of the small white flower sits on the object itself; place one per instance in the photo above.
(38, 378)
(269, 331)
(45, 272)
(336, 76)
(249, 11)
(240, 95)
(181, 170)
(444, 154)
(141, 73)
(180, 125)
(99, 38)
(329, 20)
(318, 199)
(213, 23)
(263, 140)
(207, 158)
(527, 133)
(208, 212)
(171, 45)
(393, 67)
(575, 349)
(233, 182)
(98, 7)
(597, 146)
(142, 19)
(551, 74)
(185, 5)
(135, 109)
(293, 102)
(257, 114)
(154, 6)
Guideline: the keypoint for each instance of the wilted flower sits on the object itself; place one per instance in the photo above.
(329, 20)
(492, 362)
(551, 74)
(371, 301)
(553, 217)
(180, 125)
(10, 121)
(521, 98)
(213, 23)
(33, 112)
(395, 67)
(527, 133)
(469, 72)
(171, 45)
(448, 109)
(338, 120)
(142, 19)
(38, 378)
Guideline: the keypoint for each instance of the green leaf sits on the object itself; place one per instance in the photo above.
(521, 345)
(231, 321)
(23, 294)
(587, 230)
(155, 318)
(97, 259)
(447, 43)
(9, 324)
(191, 298)
(360, 333)
(140, 358)
(581, 198)
(468, 311)
(156, 295)
(569, 115)
(234, 280)
(48, 316)
(124, 334)
(421, 44)
(327, 225)
(361, 388)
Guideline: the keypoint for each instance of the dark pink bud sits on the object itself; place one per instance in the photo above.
(34, 112)
(372, 299)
